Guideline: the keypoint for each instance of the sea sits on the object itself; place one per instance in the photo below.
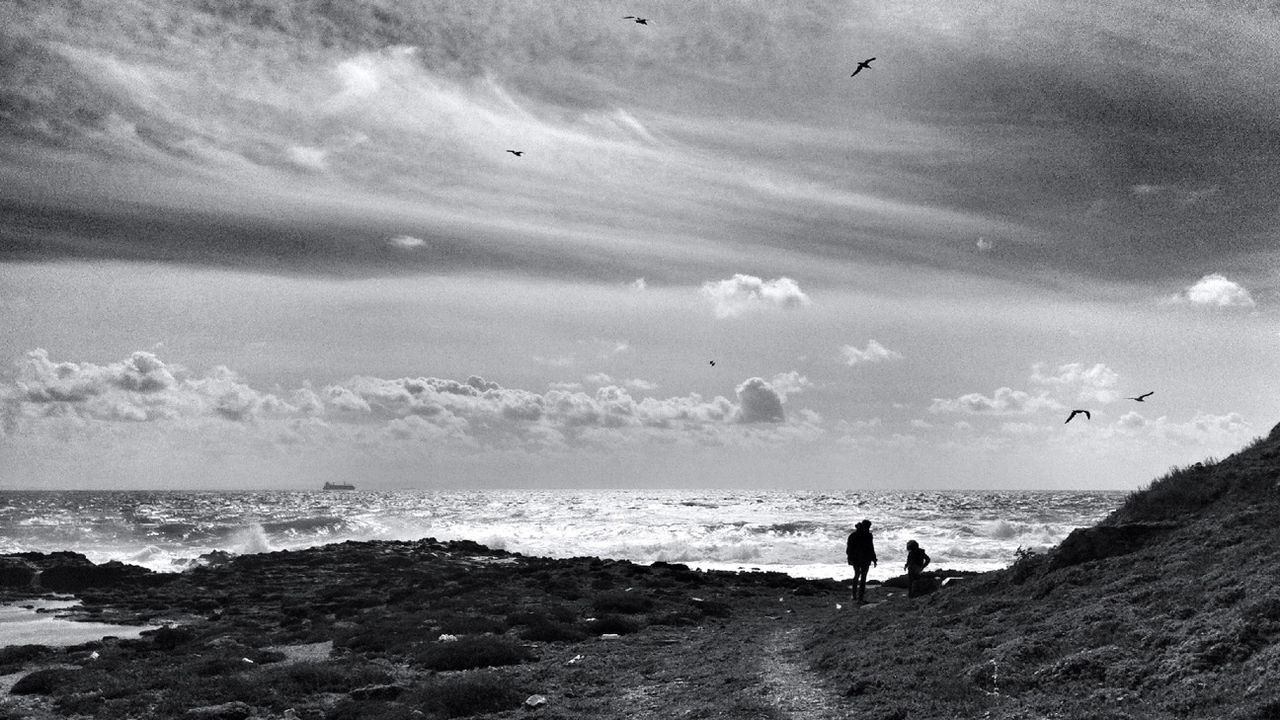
(801, 533)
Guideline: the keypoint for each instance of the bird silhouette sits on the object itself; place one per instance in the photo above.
(1142, 397)
(864, 64)
(639, 20)
(1074, 413)
(517, 153)
(713, 363)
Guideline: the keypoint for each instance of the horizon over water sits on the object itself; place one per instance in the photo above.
(799, 532)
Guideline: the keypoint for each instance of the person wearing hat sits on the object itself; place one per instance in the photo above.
(861, 551)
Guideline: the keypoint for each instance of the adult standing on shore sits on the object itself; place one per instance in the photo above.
(861, 551)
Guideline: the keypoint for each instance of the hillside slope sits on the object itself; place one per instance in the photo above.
(1167, 609)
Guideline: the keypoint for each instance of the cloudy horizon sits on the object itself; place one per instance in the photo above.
(284, 243)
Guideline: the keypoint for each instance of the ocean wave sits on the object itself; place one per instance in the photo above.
(168, 531)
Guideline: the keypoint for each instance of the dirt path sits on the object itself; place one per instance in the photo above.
(792, 687)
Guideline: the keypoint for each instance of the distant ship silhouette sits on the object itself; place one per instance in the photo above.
(338, 486)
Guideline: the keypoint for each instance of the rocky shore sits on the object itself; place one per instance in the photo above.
(1167, 609)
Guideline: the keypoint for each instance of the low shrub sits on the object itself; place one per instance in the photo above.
(1028, 563)
(170, 637)
(547, 630)
(470, 652)
(466, 695)
(544, 613)
(713, 608)
(307, 678)
(613, 624)
(677, 618)
(43, 682)
(621, 602)
(472, 625)
(370, 710)
(14, 657)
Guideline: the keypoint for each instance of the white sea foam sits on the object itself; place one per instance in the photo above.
(801, 533)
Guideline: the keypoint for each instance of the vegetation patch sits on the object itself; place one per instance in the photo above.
(470, 652)
(466, 695)
(43, 682)
(472, 625)
(627, 603)
(613, 625)
(14, 657)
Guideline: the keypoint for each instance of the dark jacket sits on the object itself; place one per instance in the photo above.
(860, 549)
(918, 557)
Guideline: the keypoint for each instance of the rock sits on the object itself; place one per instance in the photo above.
(1104, 541)
(377, 692)
(42, 682)
(64, 571)
(235, 710)
(535, 701)
(16, 572)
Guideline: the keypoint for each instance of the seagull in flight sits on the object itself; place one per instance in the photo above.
(1142, 397)
(639, 20)
(517, 153)
(864, 64)
(1074, 413)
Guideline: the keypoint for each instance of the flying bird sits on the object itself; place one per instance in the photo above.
(1142, 397)
(713, 363)
(639, 20)
(517, 153)
(1074, 413)
(864, 64)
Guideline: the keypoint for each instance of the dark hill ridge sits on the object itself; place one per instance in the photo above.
(1168, 608)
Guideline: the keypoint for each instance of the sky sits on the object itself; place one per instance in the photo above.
(271, 244)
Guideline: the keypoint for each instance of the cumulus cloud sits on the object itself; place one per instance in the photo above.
(742, 293)
(405, 242)
(1202, 429)
(141, 388)
(1213, 290)
(1084, 383)
(49, 398)
(875, 352)
(1004, 401)
(789, 383)
(759, 402)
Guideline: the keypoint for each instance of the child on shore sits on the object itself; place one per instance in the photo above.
(917, 561)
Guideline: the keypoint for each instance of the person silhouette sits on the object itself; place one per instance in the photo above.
(861, 551)
(917, 561)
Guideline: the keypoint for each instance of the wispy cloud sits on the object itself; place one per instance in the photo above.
(874, 352)
(1004, 401)
(405, 242)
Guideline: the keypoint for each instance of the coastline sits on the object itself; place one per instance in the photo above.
(1164, 610)
(411, 606)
